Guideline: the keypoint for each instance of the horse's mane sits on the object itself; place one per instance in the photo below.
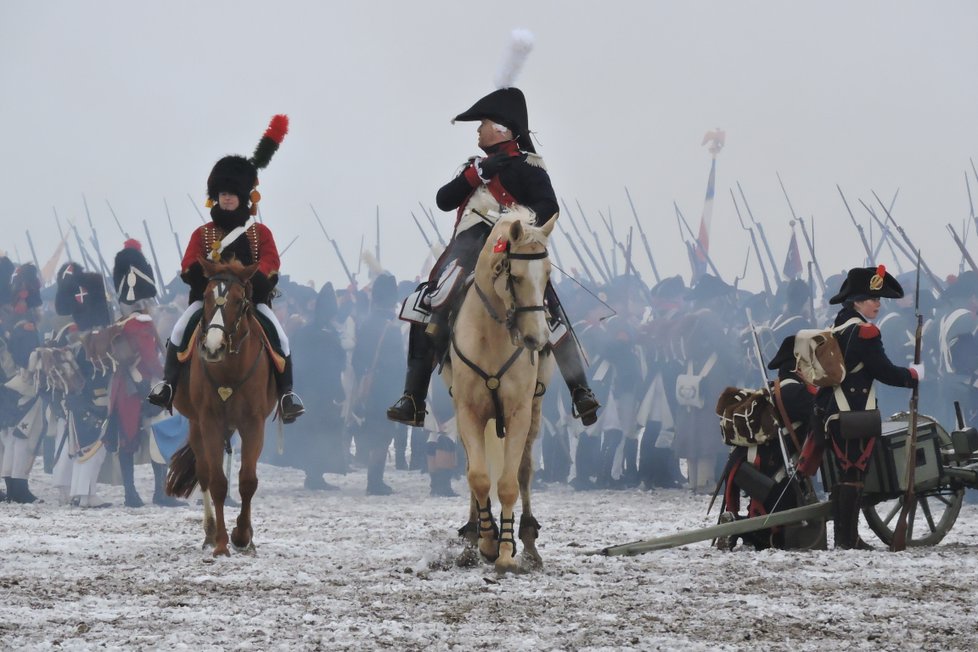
(532, 233)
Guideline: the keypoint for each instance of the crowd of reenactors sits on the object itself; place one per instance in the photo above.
(659, 356)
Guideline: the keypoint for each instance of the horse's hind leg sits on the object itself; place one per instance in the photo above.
(251, 444)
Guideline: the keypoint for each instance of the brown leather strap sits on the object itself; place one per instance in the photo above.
(784, 415)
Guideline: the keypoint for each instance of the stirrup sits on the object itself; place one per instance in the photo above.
(291, 410)
(585, 405)
(399, 411)
(161, 395)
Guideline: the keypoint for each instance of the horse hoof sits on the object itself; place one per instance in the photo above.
(530, 562)
(510, 565)
(222, 551)
(248, 549)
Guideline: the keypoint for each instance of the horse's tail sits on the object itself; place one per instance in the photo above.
(495, 457)
(181, 479)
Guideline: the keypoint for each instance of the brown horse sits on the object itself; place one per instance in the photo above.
(499, 367)
(226, 385)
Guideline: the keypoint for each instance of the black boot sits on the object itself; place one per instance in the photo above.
(290, 405)
(571, 365)
(845, 508)
(400, 450)
(629, 473)
(419, 457)
(587, 461)
(5, 496)
(18, 492)
(162, 394)
(159, 492)
(127, 468)
(377, 459)
(609, 447)
(410, 408)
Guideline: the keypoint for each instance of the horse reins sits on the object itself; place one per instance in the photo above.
(493, 381)
(225, 391)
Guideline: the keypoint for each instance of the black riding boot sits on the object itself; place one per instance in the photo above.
(127, 468)
(410, 408)
(290, 405)
(571, 365)
(845, 507)
(162, 394)
(159, 488)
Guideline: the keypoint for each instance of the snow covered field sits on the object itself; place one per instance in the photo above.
(341, 570)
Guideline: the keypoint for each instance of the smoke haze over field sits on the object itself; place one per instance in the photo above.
(134, 102)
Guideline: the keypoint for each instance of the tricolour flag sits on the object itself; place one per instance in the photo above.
(704, 235)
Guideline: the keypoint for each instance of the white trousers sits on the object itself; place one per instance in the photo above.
(180, 328)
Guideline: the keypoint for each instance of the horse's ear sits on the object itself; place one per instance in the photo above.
(210, 268)
(516, 231)
(549, 225)
(249, 271)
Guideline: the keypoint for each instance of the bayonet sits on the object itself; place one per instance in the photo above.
(176, 238)
(30, 243)
(580, 238)
(117, 223)
(61, 232)
(645, 240)
(696, 243)
(156, 263)
(760, 230)
(933, 277)
(804, 231)
(336, 247)
(964, 252)
(577, 253)
(597, 241)
(859, 227)
(291, 242)
(194, 204)
(424, 235)
(753, 239)
(434, 224)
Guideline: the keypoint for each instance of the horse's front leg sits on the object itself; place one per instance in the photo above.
(471, 429)
(217, 483)
(252, 437)
(509, 490)
(529, 527)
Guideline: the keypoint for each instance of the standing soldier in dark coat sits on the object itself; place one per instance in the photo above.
(511, 173)
(865, 362)
(233, 198)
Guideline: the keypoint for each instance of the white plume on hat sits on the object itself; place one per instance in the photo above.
(520, 44)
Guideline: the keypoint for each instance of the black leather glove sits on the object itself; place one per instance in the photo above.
(194, 277)
(492, 165)
(261, 288)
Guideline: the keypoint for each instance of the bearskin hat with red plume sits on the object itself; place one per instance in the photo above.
(132, 274)
(239, 175)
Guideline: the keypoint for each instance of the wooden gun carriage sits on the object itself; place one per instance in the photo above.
(946, 464)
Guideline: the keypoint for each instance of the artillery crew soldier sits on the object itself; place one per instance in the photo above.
(233, 200)
(865, 362)
(511, 173)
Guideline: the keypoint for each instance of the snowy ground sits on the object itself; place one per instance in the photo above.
(341, 570)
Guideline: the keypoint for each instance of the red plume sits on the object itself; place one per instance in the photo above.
(881, 271)
(277, 128)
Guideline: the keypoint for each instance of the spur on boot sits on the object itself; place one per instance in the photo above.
(407, 411)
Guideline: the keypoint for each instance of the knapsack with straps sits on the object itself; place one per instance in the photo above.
(818, 356)
(688, 384)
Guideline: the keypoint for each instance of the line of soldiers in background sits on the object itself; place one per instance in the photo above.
(659, 358)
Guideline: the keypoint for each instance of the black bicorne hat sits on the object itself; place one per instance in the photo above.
(505, 106)
(868, 283)
(786, 353)
(710, 287)
(132, 275)
(91, 309)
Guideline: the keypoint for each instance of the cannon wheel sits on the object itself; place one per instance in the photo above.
(930, 520)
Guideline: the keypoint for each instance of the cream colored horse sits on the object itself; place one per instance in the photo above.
(499, 365)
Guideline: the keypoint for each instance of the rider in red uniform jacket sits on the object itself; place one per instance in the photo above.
(232, 233)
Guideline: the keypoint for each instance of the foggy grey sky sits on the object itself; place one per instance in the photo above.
(133, 102)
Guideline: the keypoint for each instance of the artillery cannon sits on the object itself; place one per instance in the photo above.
(946, 464)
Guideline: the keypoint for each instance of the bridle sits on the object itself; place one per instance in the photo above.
(514, 310)
(225, 281)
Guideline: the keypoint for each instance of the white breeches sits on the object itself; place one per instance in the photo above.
(266, 310)
(179, 328)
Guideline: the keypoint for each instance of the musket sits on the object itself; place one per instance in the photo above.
(30, 243)
(886, 232)
(377, 244)
(424, 235)
(61, 232)
(964, 251)
(887, 237)
(804, 232)
(933, 277)
(698, 245)
(870, 258)
(597, 241)
(291, 242)
(176, 238)
(98, 249)
(611, 231)
(117, 223)
(758, 353)
(160, 288)
(580, 238)
(971, 204)
(434, 224)
(360, 256)
(645, 240)
(743, 273)
(336, 247)
(753, 239)
(86, 258)
(901, 531)
(577, 253)
(760, 230)
(194, 204)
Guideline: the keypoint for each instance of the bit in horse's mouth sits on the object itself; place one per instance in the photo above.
(213, 357)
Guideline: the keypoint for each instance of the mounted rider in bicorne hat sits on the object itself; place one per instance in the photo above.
(511, 173)
(232, 234)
